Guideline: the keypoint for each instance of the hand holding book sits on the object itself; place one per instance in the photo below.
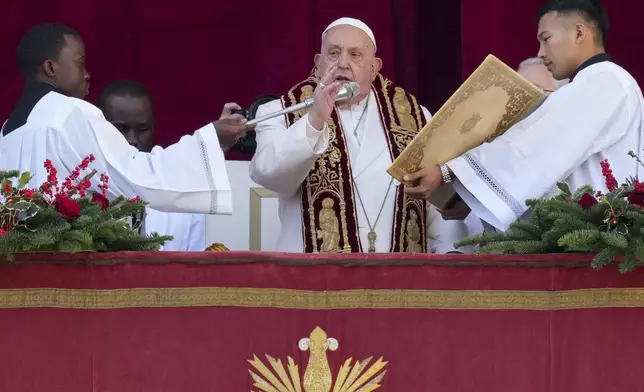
(490, 101)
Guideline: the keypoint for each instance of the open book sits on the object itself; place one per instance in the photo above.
(488, 103)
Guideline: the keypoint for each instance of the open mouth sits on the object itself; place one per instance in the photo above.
(342, 79)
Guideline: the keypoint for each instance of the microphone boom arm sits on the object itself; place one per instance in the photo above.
(295, 108)
(347, 91)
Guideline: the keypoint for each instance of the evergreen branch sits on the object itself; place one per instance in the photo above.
(528, 247)
(579, 238)
(504, 246)
(479, 239)
(615, 240)
(604, 257)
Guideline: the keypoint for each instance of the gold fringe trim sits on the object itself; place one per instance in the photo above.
(320, 300)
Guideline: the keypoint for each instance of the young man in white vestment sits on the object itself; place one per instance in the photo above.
(51, 121)
(328, 165)
(597, 116)
(128, 105)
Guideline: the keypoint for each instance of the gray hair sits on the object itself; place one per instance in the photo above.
(531, 61)
(537, 61)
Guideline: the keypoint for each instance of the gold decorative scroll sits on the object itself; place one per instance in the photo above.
(317, 375)
(492, 99)
(178, 297)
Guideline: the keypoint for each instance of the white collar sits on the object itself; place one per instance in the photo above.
(358, 106)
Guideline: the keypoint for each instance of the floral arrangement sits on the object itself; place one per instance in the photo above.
(67, 217)
(611, 225)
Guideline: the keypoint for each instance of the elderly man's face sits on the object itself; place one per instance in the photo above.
(539, 75)
(353, 51)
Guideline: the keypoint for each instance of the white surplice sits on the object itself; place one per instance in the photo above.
(188, 230)
(189, 176)
(597, 116)
(284, 158)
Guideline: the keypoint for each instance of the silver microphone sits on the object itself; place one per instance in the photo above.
(347, 91)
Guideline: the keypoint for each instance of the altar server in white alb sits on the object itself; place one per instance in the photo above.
(128, 105)
(597, 116)
(51, 121)
(329, 165)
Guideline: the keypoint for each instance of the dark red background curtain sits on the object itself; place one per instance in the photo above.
(508, 29)
(195, 55)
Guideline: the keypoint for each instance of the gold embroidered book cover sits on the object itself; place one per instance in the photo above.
(488, 103)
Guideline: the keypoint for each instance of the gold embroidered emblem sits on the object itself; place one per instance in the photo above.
(307, 92)
(413, 234)
(470, 123)
(217, 247)
(403, 110)
(330, 176)
(317, 376)
(329, 231)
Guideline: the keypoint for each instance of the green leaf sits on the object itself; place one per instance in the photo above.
(24, 180)
(582, 191)
(4, 185)
(564, 188)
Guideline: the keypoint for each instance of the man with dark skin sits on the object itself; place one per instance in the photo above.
(62, 69)
(52, 118)
(128, 105)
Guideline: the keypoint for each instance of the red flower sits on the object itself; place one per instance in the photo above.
(131, 201)
(28, 194)
(639, 186)
(100, 199)
(587, 201)
(66, 207)
(636, 198)
(8, 188)
(2, 233)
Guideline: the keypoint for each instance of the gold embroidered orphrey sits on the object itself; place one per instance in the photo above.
(317, 375)
(329, 213)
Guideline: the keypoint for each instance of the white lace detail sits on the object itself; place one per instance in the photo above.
(211, 180)
(508, 199)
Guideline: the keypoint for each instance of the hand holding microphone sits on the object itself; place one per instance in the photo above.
(324, 99)
(324, 106)
(230, 127)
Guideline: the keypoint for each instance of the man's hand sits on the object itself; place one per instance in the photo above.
(230, 127)
(459, 211)
(324, 99)
(426, 180)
